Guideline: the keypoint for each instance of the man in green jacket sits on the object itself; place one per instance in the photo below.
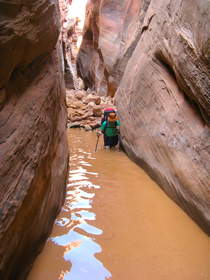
(110, 129)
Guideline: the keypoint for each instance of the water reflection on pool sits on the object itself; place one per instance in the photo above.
(117, 224)
(79, 241)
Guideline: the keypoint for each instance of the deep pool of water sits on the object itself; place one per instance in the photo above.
(117, 224)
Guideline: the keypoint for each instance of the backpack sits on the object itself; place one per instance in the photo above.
(106, 114)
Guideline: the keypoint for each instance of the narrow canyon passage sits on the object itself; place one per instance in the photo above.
(117, 224)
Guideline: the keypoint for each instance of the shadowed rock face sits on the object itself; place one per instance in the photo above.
(33, 146)
(162, 97)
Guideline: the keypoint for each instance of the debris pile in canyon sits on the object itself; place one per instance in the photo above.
(85, 108)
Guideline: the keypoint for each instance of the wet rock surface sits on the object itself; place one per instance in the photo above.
(158, 65)
(33, 146)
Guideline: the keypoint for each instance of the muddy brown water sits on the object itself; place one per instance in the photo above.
(118, 224)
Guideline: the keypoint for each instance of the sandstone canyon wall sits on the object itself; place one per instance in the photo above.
(156, 54)
(111, 32)
(33, 145)
(72, 20)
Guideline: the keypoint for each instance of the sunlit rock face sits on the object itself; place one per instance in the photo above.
(110, 35)
(33, 146)
(162, 96)
(72, 21)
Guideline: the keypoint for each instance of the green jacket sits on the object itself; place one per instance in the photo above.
(110, 128)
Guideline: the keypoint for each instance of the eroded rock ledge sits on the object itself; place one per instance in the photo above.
(155, 54)
(33, 145)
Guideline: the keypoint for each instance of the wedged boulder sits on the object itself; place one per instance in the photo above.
(33, 144)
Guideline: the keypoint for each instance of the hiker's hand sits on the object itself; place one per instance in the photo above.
(99, 133)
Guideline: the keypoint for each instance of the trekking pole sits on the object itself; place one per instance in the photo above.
(119, 140)
(97, 142)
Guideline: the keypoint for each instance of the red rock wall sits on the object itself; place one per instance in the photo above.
(159, 64)
(111, 33)
(33, 145)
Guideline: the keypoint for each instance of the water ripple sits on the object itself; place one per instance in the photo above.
(80, 247)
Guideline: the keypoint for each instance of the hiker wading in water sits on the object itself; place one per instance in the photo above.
(110, 130)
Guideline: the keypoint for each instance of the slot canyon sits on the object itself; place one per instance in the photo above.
(70, 209)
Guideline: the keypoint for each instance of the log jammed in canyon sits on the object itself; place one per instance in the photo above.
(153, 56)
(33, 145)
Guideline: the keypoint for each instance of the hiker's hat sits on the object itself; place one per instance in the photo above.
(109, 109)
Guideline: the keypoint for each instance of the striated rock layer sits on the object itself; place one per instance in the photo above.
(111, 32)
(33, 145)
(156, 54)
